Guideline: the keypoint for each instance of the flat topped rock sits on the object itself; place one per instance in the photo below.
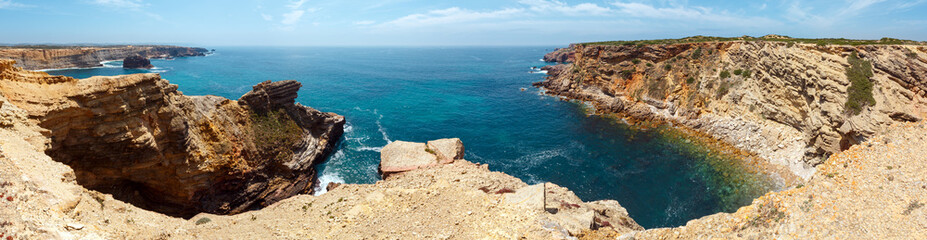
(447, 150)
(401, 156)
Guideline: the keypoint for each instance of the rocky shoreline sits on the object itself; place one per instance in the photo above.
(85, 57)
(785, 103)
(64, 144)
(138, 138)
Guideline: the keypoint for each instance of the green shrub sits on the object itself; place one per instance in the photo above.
(859, 94)
(723, 89)
(691, 80)
(790, 44)
(697, 53)
(649, 65)
(667, 67)
(738, 72)
(911, 55)
(203, 220)
(725, 74)
(275, 133)
(635, 61)
(746, 73)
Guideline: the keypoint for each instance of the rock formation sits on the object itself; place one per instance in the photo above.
(33, 58)
(785, 102)
(560, 55)
(401, 156)
(136, 61)
(138, 138)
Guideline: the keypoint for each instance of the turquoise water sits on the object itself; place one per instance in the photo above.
(420, 94)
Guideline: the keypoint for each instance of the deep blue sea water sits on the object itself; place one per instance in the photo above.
(475, 94)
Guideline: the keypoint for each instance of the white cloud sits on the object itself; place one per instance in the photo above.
(10, 4)
(295, 4)
(267, 17)
(293, 17)
(364, 22)
(127, 4)
(451, 15)
(132, 5)
(563, 8)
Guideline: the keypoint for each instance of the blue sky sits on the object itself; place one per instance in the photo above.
(474, 22)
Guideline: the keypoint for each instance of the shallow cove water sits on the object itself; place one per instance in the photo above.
(475, 94)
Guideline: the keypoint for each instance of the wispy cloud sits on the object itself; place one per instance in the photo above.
(267, 17)
(563, 8)
(689, 13)
(6, 4)
(131, 5)
(294, 15)
(366, 22)
(828, 16)
(125, 4)
(450, 15)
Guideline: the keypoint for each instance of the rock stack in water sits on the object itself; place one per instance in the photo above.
(136, 62)
(138, 138)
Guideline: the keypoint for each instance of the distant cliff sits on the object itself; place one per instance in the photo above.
(792, 102)
(35, 58)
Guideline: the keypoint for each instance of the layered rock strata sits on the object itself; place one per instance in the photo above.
(786, 102)
(82, 57)
(140, 139)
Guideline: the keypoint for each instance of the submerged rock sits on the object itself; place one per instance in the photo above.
(135, 62)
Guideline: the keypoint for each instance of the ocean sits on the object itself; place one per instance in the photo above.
(482, 95)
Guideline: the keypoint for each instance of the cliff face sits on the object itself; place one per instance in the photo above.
(786, 102)
(81, 57)
(140, 139)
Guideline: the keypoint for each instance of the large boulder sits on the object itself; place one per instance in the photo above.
(401, 156)
(136, 62)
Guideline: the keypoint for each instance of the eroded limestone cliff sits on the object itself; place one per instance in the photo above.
(786, 102)
(81, 57)
(140, 139)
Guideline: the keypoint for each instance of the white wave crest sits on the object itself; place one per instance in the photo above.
(326, 178)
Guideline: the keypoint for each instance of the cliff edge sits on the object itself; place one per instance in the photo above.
(792, 103)
(138, 138)
(35, 58)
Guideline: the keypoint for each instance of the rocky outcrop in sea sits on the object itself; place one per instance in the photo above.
(136, 62)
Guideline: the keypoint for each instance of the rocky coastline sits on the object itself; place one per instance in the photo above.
(77, 155)
(785, 102)
(37, 58)
(138, 138)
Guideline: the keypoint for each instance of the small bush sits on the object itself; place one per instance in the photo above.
(691, 80)
(203, 220)
(725, 74)
(635, 61)
(911, 55)
(790, 44)
(723, 89)
(738, 72)
(746, 73)
(274, 134)
(667, 67)
(859, 94)
(697, 53)
(649, 65)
